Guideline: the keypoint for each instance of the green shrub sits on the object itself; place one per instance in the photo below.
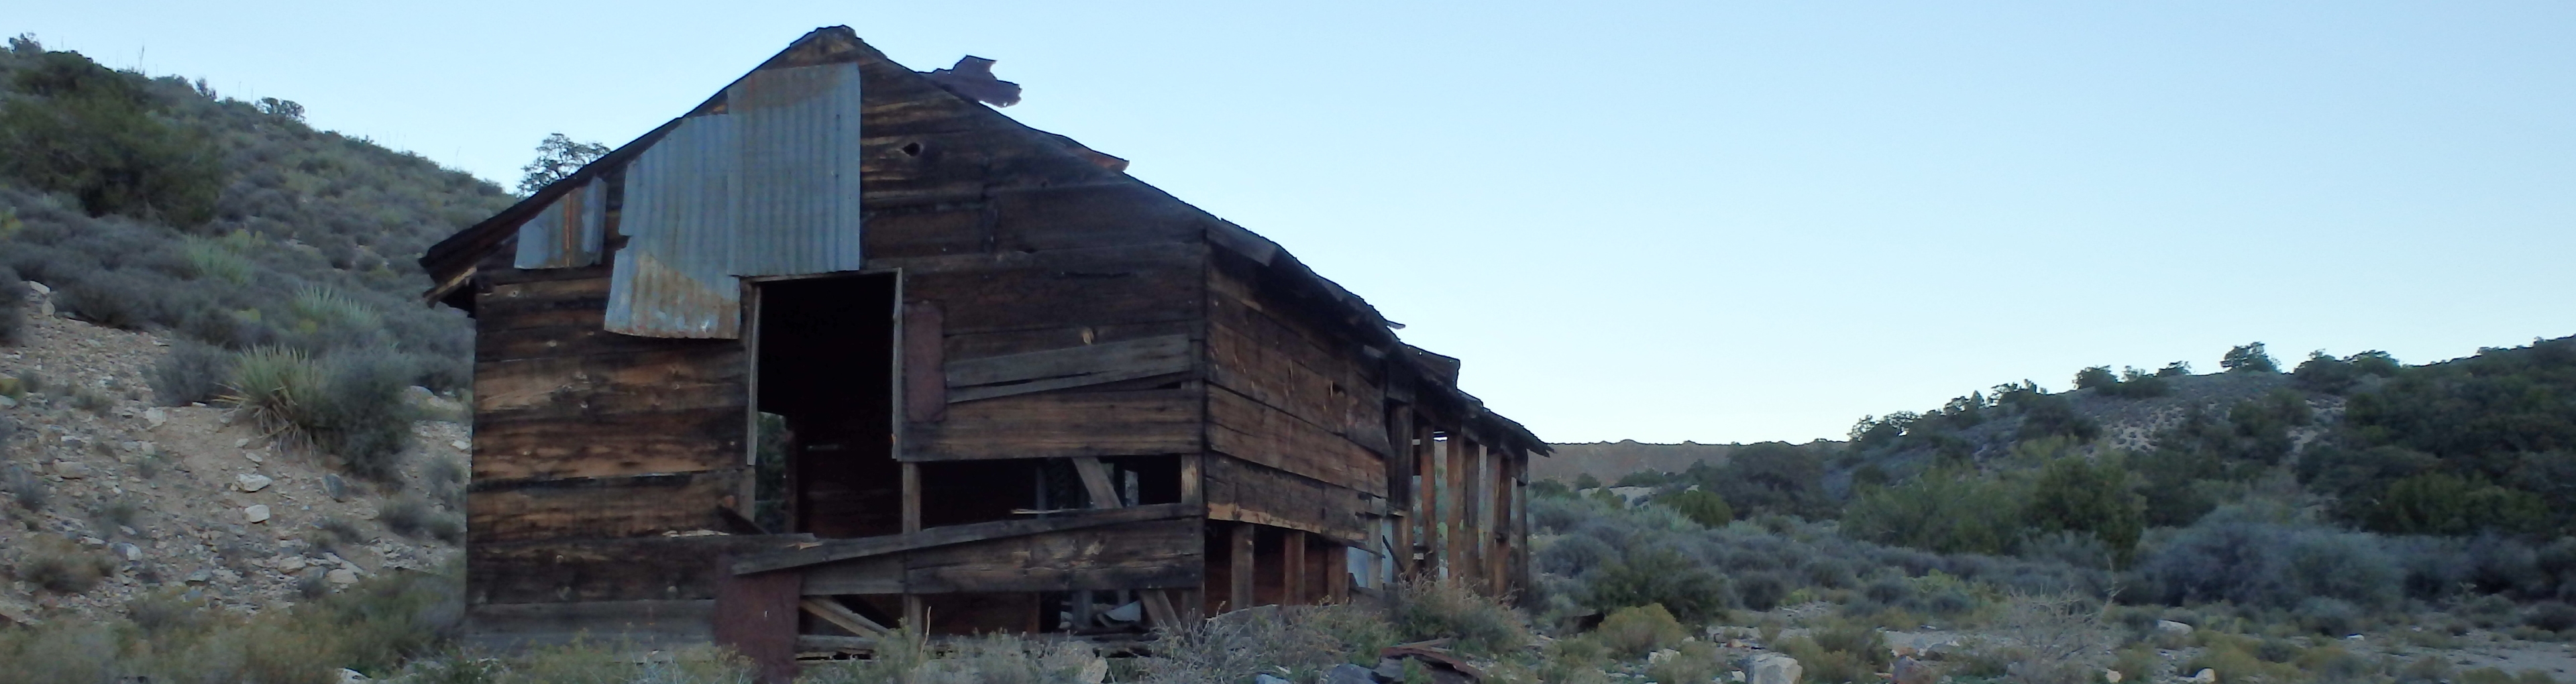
(2248, 358)
(28, 490)
(350, 406)
(1944, 510)
(2080, 495)
(1700, 506)
(61, 566)
(92, 133)
(406, 515)
(1636, 630)
(1662, 578)
(1482, 626)
(191, 372)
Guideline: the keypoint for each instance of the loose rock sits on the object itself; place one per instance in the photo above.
(256, 513)
(2204, 676)
(252, 482)
(70, 470)
(1773, 668)
(1347, 673)
(2173, 628)
(341, 576)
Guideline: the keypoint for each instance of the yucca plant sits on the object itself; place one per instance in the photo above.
(274, 387)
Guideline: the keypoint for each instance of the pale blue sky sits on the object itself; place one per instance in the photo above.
(1653, 220)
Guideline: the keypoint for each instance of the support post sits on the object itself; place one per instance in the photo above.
(1292, 568)
(1242, 573)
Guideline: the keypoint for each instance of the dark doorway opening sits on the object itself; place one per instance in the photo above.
(827, 406)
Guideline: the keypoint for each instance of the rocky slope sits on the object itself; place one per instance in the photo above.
(184, 500)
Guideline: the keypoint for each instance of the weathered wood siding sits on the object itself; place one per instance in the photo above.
(1296, 411)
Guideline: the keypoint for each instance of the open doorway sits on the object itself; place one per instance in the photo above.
(826, 407)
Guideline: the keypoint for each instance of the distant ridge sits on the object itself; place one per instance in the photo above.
(1609, 460)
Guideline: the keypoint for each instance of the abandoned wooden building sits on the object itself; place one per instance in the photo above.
(844, 348)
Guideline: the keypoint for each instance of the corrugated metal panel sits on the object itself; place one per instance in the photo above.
(545, 241)
(800, 166)
(674, 278)
(771, 187)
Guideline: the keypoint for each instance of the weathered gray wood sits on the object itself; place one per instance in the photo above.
(1053, 369)
(841, 616)
(842, 549)
(871, 575)
(1095, 481)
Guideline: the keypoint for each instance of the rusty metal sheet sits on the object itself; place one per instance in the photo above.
(675, 276)
(567, 233)
(799, 132)
(770, 187)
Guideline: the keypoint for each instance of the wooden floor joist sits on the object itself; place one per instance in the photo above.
(841, 616)
(845, 549)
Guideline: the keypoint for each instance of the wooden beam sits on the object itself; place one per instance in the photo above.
(1095, 481)
(1158, 607)
(1337, 574)
(841, 616)
(1053, 369)
(911, 497)
(844, 549)
(1193, 480)
(1239, 596)
(1292, 568)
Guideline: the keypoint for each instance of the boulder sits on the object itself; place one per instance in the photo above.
(2173, 628)
(2204, 676)
(1773, 668)
(252, 482)
(349, 676)
(1266, 678)
(257, 513)
(1094, 671)
(155, 416)
(70, 470)
(291, 564)
(336, 487)
(341, 576)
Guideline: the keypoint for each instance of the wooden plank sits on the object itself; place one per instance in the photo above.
(1095, 481)
(1337, 575)
(918, 231)
(841, 549)
(608, 446)
(841, 616)
(1007, 342)
(1052, 369)
(596, 570)
(1056, 425)
(1250, 492)
(1158, 608)
(856, 576)
(542, 304)
(1337, 397)
(1240, 569)
(1137, 555)
(1106, 293)
(504, 344)
(592, 385)
(1193, 480)
(604, 507)
(1243, 428)
(925, 389)
(1093, 215)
